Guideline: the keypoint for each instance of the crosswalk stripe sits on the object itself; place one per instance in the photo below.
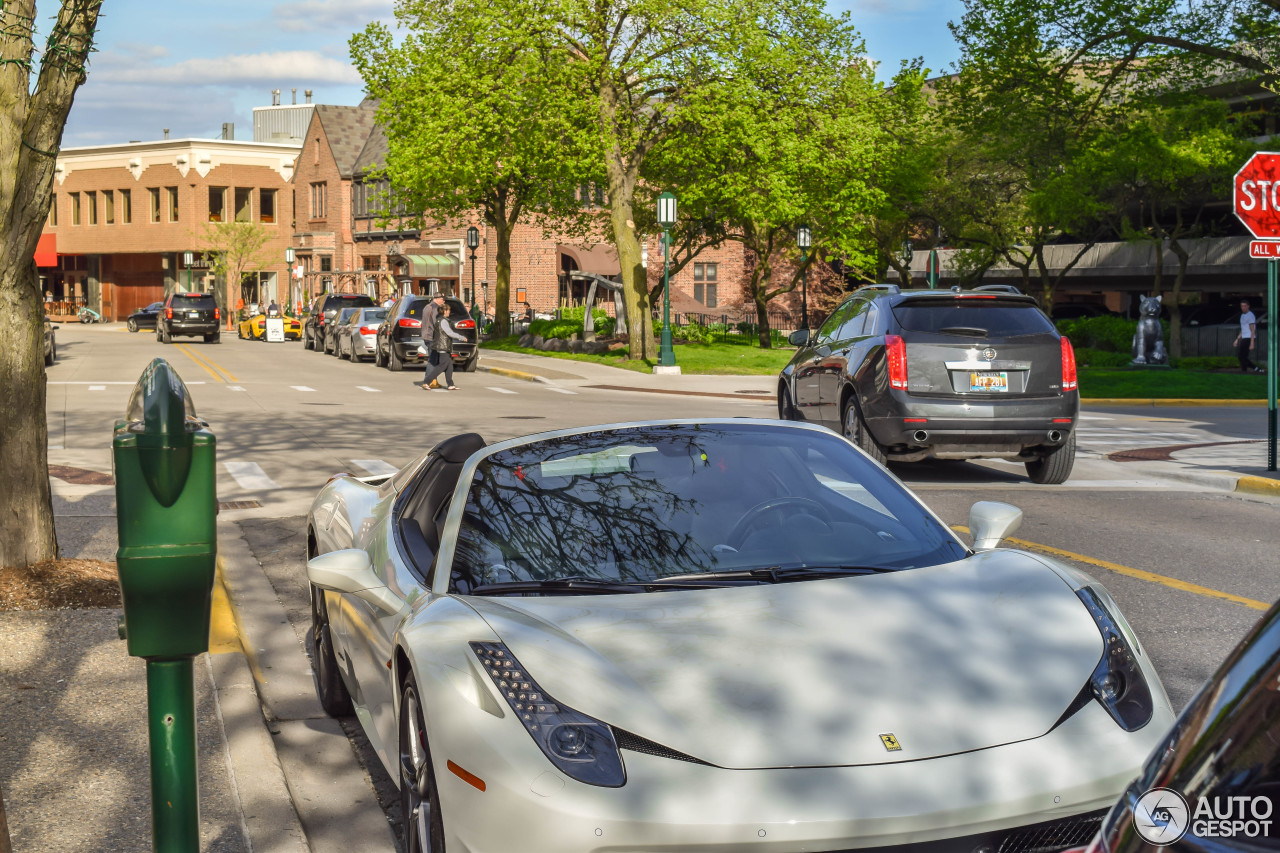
(249, 475)
(501, 390)
(235, 388)
(370, 390)
(376, 467)
(301, 388)
(97, 387)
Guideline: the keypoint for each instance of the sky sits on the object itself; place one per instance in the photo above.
(192, 66)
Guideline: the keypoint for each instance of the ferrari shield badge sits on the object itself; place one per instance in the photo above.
(890, 742)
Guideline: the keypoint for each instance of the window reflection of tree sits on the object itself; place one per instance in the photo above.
(612, 526)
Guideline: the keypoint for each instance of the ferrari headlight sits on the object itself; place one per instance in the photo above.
(582, 747)
(1117, 681)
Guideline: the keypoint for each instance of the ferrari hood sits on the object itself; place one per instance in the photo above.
(862, 670)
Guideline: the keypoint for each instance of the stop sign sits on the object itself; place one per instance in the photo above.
(1255, 195)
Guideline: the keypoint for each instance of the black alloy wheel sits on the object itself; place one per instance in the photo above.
(419, 800)
(52, 355)
(393, 358)
(786, 409)
(469, 366)
(215, 338)
(165, 337)
(332, 693)
(855, 429)
(377, 353)
(1055, 466)
(131, 324)
(307, 340)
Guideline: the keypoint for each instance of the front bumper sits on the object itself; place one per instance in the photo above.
(952, 803)
(921, 427)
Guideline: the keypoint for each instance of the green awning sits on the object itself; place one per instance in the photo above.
(432, 266)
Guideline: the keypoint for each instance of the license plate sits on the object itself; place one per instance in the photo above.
(988, 381)
(193, 314)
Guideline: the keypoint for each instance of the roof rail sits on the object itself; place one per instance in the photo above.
(887, 288)
(999, 288)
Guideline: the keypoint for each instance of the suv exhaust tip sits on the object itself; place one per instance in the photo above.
(1055, 436)
(920, 436)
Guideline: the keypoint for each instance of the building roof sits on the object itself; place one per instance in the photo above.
(347, 129)
(374, 154)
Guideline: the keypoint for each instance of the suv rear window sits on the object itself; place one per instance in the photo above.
(997, 319)
(193, 302)
(417, 307)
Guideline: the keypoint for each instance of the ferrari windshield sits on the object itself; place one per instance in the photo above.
(640, 504)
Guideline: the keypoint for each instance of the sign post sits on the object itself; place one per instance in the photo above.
(1255, 196)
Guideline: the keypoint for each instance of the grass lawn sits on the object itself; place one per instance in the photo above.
(1163, 383)
(730, 358)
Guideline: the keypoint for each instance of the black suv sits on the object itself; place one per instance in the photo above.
(189, 314)
(325, 309)
(400, 334)
(944, 374)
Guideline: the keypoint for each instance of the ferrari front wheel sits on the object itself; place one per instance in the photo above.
(332, 693)
(419, 801)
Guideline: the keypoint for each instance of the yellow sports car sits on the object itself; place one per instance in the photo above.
(255, 328)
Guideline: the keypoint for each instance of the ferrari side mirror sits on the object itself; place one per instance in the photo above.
(990, 522)
(349, 571)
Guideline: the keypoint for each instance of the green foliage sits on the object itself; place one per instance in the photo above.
(1107, 334)
(1087, 357)
(1207, 362)
(569, 325)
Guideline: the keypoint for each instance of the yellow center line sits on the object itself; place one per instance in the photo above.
(1140, 574)
(208, 364)
(206, 368)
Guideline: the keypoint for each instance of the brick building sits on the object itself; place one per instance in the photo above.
(124, 216)
(351, 237)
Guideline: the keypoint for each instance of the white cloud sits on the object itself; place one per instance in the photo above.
(306, 16)
(303, 66)
(141, 50)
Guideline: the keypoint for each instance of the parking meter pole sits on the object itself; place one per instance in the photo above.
(166, 505)
(171, 716)
(1273, 360)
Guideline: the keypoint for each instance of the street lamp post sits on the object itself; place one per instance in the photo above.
(804, 239)
(473, 243)
(666, 221)
(288, 266)
(188, 258)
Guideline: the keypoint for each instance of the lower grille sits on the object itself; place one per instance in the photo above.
(1052, 836)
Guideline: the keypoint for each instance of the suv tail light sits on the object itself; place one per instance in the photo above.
(1069, 381)
(217, 313)
(465, 324)
(896, 349)
(168, 313)
(368, 330)
(409, 323)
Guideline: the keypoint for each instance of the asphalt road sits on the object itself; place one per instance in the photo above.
(286, 419)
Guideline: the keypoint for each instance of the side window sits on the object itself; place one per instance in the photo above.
(855, 321)
(835, 321)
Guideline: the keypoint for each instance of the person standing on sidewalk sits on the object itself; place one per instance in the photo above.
(1245, 340)
(442, 350)
(431, 319)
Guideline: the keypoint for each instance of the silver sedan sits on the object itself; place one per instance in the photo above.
(357, 336)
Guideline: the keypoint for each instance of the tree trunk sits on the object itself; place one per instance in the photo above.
(762, 318)
(26, 503)
(5, 845)
(1175, 306)
(502, 286)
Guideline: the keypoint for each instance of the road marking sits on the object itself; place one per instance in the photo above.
(249, 475)
(108, 382)
(370, 390)
(235, 387)
(211, 367)
(302, 388)
(223, 636)
(1095, 418)
(54, 447)
(560, 390)
(376, 467)
(1128, 571)
(500, 390)
(97, 387)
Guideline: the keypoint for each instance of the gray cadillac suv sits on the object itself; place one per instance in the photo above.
(944, 374)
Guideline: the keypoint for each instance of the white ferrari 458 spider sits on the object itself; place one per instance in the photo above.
(715, 636)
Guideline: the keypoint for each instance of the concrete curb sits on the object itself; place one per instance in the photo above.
(1258, 485)
(513, 374)
(1171, 401)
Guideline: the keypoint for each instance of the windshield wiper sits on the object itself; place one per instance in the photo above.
(769, 574)
(586, 586)
(812, 572)
(972, 331)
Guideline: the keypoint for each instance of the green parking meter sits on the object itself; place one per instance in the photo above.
(166, 506)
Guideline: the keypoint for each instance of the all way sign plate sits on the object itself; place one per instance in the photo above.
(1269, 249)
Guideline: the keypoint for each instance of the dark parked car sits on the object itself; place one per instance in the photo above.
(189, 314)
(1213, 785)
(333, 329)
(50, 344)
(144, 318)
(944, 374)
(325, 309)
(401, 333)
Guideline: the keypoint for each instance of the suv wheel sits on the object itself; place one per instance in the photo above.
(393, 358)
(215, 338)
(307, 340)
(1055, 466)
(855, 429)
(165, 337)
(469, 366)
(786, 409)
(377, 355)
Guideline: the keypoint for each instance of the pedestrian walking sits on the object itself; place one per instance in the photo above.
(1245, 340)
(441, 358)
(430, 320)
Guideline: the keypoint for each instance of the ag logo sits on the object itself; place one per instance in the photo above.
(1161, 816)
(890, 742)
(989, 354)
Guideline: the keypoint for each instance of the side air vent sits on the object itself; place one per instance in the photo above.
(635, 743)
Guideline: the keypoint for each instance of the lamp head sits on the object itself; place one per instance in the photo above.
(666, 211)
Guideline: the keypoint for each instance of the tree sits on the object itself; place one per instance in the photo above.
(234, 249)
(33, 113)
(794, 137)
(479, 116)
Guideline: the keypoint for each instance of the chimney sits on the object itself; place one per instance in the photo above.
(295, 95)
(166, 133)
(228, 130)
(275, 97)
(307, 92)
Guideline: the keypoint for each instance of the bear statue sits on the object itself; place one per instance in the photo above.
(1148, 340)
